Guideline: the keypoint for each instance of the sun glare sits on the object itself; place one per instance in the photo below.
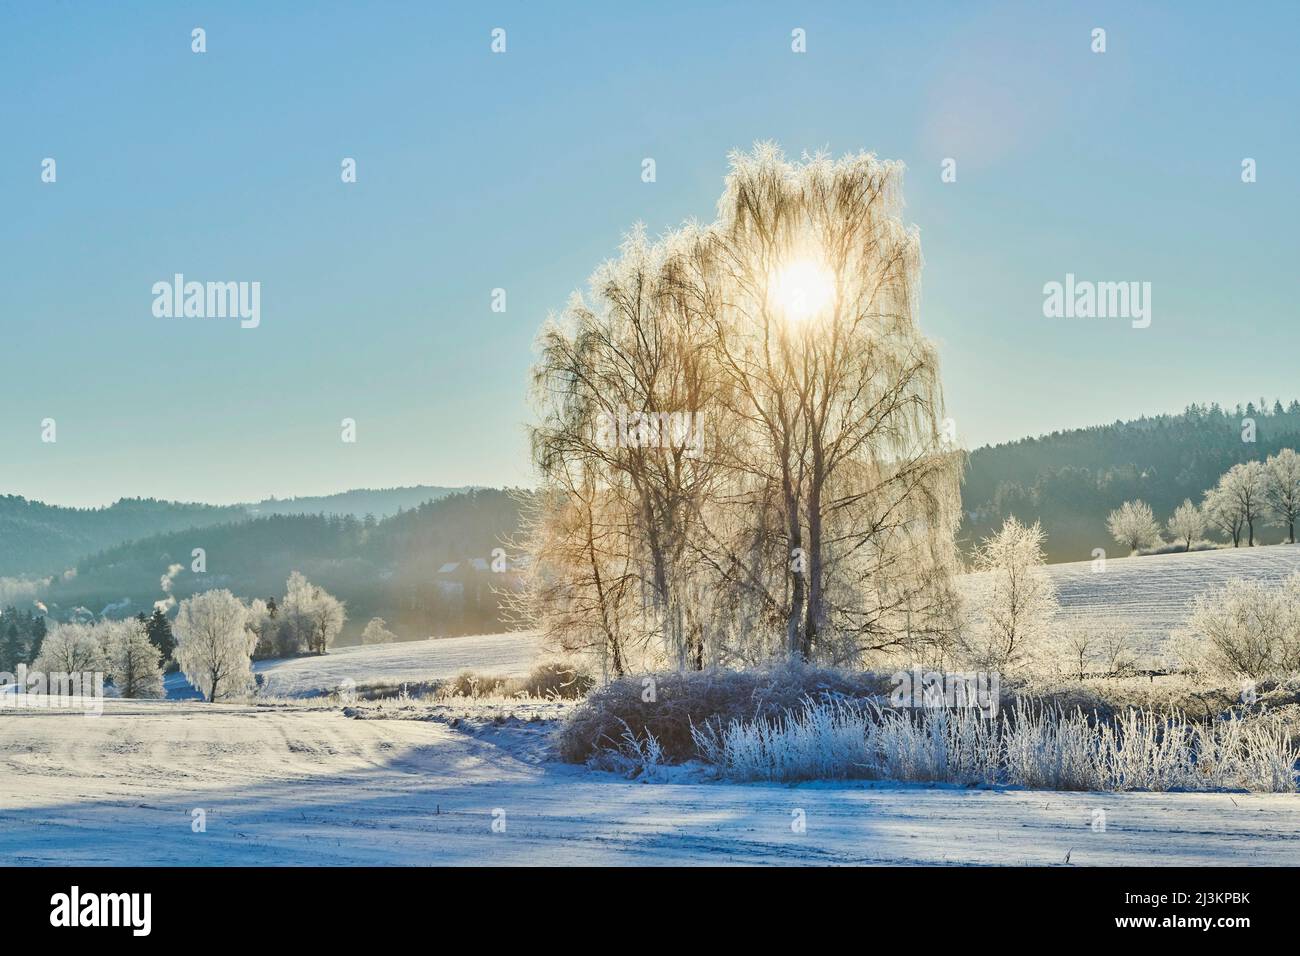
(802, 289)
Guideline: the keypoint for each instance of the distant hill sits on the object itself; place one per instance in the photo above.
(37, 539)
(1071, 480)
(41, 539)
(386, 567)
(380, 502)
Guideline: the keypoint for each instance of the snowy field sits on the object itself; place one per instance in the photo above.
(1152, 595)
(511, 655)
(303, 784)
(310, 786)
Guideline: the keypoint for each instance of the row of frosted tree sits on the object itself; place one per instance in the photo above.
(742, 439)
(212, 640)
(1246, 497)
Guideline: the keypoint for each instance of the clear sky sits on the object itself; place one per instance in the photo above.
(521, 170)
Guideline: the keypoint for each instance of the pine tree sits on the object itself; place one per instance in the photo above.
(39, 631)
(11, 649)
(159, 629)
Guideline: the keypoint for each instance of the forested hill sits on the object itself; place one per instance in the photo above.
(37, 539)
(41, 539)
(387, 567)
(1071, 480)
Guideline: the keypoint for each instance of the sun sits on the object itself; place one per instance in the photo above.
(802, 289)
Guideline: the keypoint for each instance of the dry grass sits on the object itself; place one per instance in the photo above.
(1034, 746)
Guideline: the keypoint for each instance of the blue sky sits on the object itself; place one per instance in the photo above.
(522, 170)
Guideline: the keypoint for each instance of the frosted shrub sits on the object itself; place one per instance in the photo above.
(684, 702)
(1042, 748)
(1244, 629)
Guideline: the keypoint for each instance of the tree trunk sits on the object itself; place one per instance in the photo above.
(793, 641)
(611, 639)
(813, 619)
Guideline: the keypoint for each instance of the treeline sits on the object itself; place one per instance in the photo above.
(379, 567)
(1070, 481)
(381, 502)
(37, 539)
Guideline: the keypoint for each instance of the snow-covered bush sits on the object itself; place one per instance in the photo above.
(1244, 629)
(669, 704)
(638, 756)
(556, 680)
(377, 632)
(1032, 746)
(214, 646)
(472, 684)
(552, 680)
(1179, 547)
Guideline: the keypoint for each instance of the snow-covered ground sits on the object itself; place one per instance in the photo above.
(1151, 596)
(512, 654)
(302, 785)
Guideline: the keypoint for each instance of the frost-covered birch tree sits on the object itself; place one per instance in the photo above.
(622, 386)
(1282, 489)
(1187, 523)
(1017, 604)
(1134, 526)
(1242, 492)
(1224, 513)
(741, 434)
(132, 661)
(837, 391)
(70, 648)
(310, 615)
(214, 646)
